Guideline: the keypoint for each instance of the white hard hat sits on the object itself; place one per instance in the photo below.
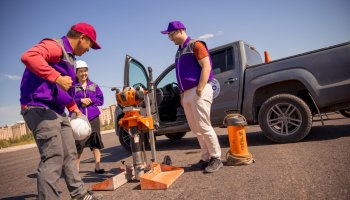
(81, 127)
(80, 64)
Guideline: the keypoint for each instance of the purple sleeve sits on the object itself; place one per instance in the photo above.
(98, 99)
(62, 97)
(77, 100)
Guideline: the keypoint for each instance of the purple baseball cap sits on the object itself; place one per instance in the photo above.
(174, 25)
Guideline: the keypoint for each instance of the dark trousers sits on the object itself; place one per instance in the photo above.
(54, 138)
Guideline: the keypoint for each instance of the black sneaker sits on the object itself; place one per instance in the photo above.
(89, 196)
(99, 171)
(201, 165)
(214, 165)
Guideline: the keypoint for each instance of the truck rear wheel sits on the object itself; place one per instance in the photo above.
(285, 118)
(124, 138)
(345, 112)
(175, 136)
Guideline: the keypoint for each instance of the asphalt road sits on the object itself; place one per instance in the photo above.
(317, 167)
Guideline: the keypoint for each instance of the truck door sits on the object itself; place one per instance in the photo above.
(135, 73)
(226, 84)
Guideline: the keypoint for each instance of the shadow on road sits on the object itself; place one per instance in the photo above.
(317, 133)
(21, 197)
(328, 132)
(253, 139)
(112, 154)
(118, 153)
(91, 177)
(33, 175)
(108, 155)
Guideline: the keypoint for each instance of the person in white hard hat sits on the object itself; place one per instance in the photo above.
(88, 96)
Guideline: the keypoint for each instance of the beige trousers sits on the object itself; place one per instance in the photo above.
(197, 110)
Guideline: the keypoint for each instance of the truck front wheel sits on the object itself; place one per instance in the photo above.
(176, 136)
(124, 138)
(285, 118)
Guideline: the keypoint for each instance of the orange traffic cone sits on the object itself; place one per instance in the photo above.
(267, 57)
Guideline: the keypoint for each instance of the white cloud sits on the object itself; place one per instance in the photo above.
(11, 77)
(206, 36)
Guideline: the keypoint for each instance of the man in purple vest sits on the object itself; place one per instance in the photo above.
(193, 73)
(46, 90)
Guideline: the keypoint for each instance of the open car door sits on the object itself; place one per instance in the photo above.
(135, 73)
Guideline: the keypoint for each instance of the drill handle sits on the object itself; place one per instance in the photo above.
(115, 89)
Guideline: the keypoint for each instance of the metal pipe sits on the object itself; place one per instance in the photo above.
(136, 149)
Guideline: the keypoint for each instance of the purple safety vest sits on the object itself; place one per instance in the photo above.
(93, 92)
(188, 70)
(36, 91)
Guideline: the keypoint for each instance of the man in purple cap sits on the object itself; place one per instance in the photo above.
(46, 90)
(193, 73)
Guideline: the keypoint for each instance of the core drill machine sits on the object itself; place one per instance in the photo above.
(136, 125)
(152, 175)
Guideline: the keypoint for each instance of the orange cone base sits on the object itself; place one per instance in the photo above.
(240, 154)
(160, 177)
(237, 159)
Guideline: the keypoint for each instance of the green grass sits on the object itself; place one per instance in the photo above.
(24, 139)
(107, 127)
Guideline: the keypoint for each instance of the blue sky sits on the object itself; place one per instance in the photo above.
(282, 27)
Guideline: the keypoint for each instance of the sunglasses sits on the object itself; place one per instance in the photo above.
(171, 34)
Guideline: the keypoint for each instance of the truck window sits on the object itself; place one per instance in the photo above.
(137, 74)
(253, 57)
(170, 77)
(222, 60)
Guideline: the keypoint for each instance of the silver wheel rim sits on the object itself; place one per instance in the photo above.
(284, 119)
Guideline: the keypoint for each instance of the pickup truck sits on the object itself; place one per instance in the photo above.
(282, 96)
